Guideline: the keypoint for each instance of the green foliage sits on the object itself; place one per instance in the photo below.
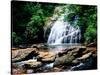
(34, 28)
(28, 21)
(32, 31)
(90, 34)
(87, 20)
(16, 39)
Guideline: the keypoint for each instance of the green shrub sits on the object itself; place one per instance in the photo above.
(90, 34)
(16, 39)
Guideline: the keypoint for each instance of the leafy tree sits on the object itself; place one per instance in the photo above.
(90, 34)
(28, 20)
(16, 39)
(87, 20)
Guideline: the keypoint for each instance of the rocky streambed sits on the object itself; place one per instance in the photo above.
(43, 59)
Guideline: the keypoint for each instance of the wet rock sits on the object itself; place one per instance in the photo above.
(32, 64)
(54, 18)
(38, 46)
(75, 62)
(86, 64)
(86, 56)
(86, 51)
(14, 48)
(94, 44)
(24, 54)
(82, 58)
(79, 51)
(56, 69)
(65, 51)
(64, 60)
(46, 56)
(47, 66)
(91, 49)
(58, 10)
(70, 48)
(68, 56)
(73, 50)
(29, 71)
(82, 48)
(18, 71)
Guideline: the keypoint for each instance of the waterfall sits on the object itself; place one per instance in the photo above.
(63, 32)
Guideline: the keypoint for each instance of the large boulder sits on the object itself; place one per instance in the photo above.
(65, 51)
(85, 56)
(64, 60)
(46, 56)
(74, 50)
(24, 54)
(79, 51)
(32, 64)
(69, 55)
(75, 62)
(82, 58)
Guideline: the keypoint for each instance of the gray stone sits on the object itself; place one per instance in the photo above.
(85, 56)
(64, 60)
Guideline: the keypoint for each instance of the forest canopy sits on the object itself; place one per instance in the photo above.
(28, 21)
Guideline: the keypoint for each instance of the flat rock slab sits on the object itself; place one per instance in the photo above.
(32, 64)
(46, 56)
(23, 54)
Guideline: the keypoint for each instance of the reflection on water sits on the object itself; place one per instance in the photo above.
(59, 47)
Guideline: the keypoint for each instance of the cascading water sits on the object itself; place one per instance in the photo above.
(63, 32)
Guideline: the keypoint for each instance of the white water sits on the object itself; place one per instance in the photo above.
(77, 66)
(63, 32)
(49, 65)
